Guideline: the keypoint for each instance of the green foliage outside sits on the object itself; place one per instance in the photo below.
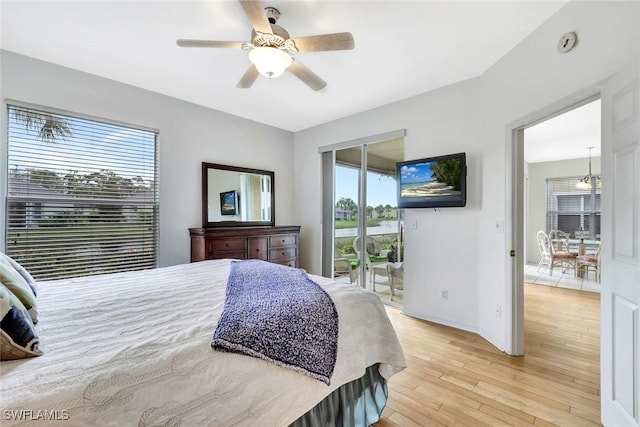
(381, 212)
(49, 127)
(102, 184)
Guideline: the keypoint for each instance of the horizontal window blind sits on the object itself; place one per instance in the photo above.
(570, 209)
(82, 195)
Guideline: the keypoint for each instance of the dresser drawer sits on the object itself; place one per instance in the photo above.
(225, 245)
(258, 248)
(282, 240)
(288, 262)
(279, 254)
(229, 254)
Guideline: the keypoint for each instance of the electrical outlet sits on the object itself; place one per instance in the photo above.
(498, 311)
(444, 295)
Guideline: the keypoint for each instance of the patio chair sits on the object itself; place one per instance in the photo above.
(344, 266)
(395, 273)
(370, 257)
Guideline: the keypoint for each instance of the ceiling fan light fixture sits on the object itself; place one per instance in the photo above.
(270, 61)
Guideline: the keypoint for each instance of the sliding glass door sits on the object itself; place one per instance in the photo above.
(366, 233)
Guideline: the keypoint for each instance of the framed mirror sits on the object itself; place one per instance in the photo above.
(235, 197)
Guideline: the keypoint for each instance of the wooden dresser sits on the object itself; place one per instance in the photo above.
(279, 244)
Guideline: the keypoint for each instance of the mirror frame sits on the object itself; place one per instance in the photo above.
(205, 197)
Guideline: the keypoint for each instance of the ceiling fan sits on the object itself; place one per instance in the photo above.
(271, 47)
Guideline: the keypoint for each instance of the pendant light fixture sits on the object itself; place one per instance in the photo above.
(588, 181)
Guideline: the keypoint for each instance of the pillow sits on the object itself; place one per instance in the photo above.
(18, 337)
(16, 283)
(23, 272)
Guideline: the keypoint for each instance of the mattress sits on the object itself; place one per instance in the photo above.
(134, 348)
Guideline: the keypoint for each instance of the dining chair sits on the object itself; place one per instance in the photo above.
(552, 257)
(584, 262)
(559, 240)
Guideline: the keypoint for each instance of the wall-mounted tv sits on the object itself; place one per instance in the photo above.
(433, 182)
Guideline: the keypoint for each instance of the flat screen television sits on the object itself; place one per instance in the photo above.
(432, 182)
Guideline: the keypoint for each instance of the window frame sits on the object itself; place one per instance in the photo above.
(552, 200)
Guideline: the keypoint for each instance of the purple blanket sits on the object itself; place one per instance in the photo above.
(278, 314)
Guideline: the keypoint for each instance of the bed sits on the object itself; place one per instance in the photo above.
(135, 348)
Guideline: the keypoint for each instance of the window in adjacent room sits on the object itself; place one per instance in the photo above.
(82, 195)
(570, 209)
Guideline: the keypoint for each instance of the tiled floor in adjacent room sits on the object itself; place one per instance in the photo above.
(539, 275)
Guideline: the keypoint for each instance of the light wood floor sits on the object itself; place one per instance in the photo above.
(457, 378)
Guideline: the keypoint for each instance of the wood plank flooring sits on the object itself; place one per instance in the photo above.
(456, 378)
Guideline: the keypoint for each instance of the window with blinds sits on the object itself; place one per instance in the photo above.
(570, 209)
(82, 195)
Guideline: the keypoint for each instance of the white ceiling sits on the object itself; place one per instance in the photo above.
(403, 48)
(566, 136)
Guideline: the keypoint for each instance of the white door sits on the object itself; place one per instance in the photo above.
(620, 299)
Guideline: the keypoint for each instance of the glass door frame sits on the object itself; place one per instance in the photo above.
(328, 153)
(362, 215)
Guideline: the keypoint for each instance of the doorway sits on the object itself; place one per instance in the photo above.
(562, 200)
(562, 191)
(523, 247)
(619, 320)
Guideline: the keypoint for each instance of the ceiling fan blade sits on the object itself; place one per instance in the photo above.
(336, 41)
(310, 78)
(257, 16)
(209, 43)
(249, 77)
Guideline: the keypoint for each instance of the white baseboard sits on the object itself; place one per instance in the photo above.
(434, 319)
(469, 328)
(492, 340)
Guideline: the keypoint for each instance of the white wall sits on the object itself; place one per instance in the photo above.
(189, 135)
(537, 203)
(434, 127)
(460, 249)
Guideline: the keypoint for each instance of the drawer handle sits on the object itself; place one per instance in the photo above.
(282, 240)
(227, 245)
(257, 250)
(282, 253)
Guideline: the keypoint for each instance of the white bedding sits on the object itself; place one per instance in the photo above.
(134, 348)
